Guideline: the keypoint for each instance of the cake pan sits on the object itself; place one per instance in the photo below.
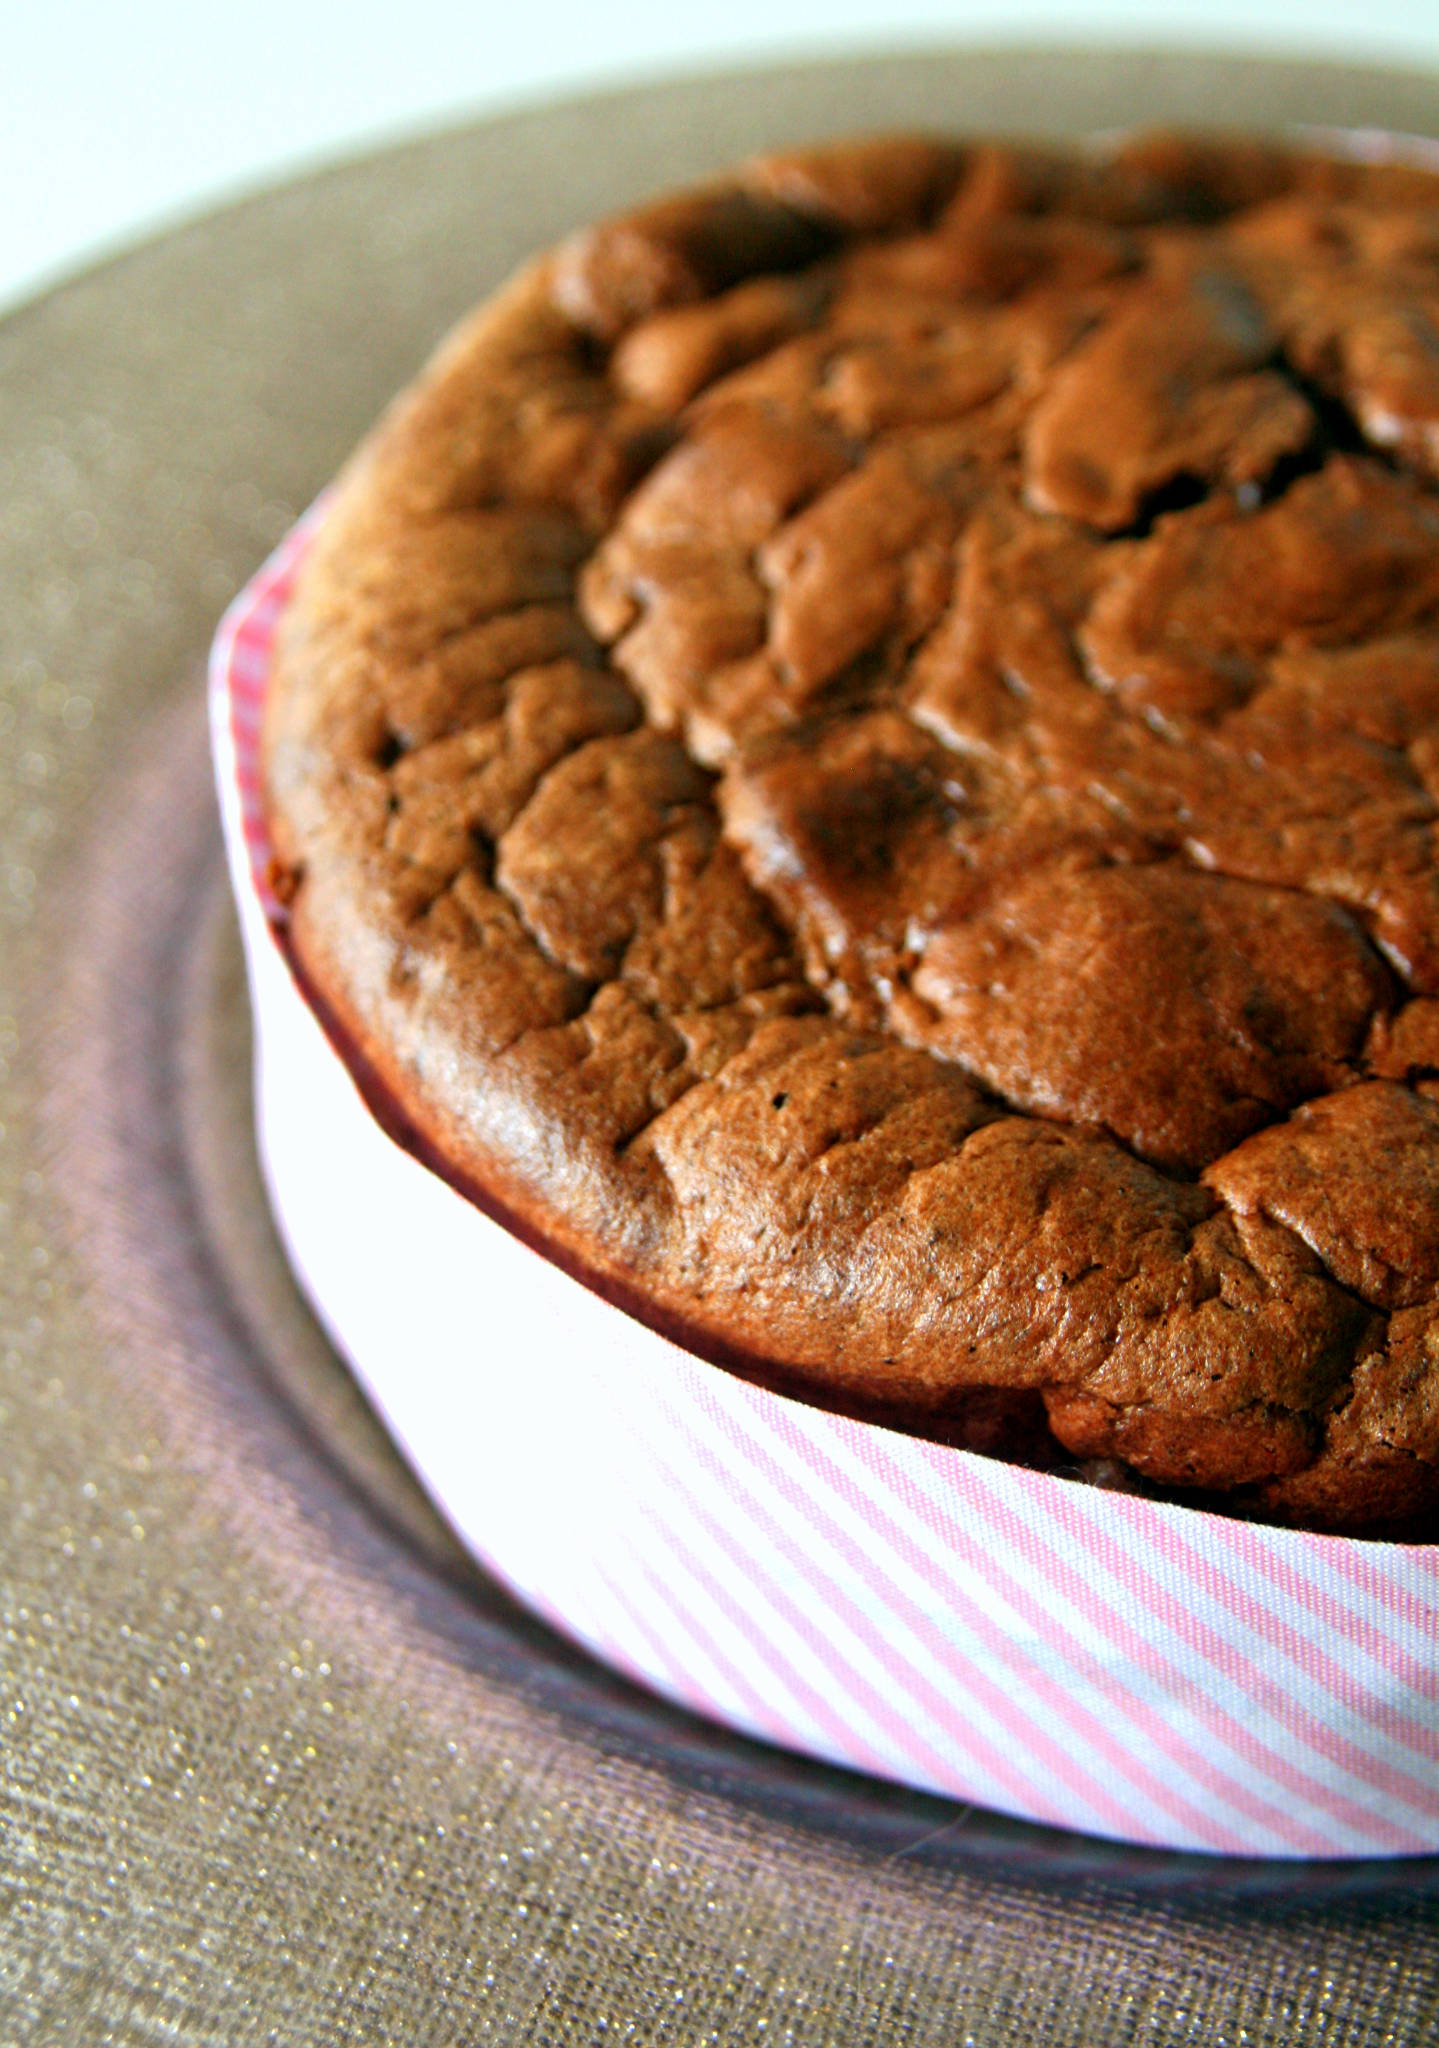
(1129, 1668)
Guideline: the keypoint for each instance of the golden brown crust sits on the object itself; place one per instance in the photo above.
(861, 753)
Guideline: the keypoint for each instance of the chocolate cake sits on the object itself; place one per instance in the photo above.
(860, 758)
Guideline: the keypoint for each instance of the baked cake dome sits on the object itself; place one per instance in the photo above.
(859, 759)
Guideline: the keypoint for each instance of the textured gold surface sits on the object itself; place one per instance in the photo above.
(274, 1764)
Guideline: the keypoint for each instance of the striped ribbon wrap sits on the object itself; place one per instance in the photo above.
(1077, 1657)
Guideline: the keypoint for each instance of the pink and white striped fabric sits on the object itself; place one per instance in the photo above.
(1134, 1670)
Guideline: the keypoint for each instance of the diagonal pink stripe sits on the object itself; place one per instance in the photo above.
(1085, 1539)
(1279, 1765)
(749, 1573)
(988, 1558)
(1260, 1682)
(1068, 1769)
(1310, 1572)
(656, 1621)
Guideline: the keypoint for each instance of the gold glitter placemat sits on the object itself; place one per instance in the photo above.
(275, 1764)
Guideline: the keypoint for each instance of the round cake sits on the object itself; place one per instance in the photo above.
(859, 761)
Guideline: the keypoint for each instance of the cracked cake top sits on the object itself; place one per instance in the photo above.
(861, 756)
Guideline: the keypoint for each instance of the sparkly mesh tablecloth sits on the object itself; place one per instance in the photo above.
(275, 1764)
